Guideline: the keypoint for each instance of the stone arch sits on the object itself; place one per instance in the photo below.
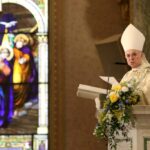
(34, 9)
(43, 60)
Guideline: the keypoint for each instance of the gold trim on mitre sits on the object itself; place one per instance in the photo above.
(132, 38)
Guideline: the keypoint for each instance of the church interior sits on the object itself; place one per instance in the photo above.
(85, 44)
(71, 43)
(23, 37)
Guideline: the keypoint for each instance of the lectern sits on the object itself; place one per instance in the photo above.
(139, 135)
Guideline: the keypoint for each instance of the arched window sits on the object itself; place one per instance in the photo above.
(24, 74)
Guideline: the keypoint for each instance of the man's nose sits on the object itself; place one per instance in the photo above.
(131, 57)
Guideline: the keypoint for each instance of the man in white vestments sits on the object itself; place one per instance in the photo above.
(133, 41)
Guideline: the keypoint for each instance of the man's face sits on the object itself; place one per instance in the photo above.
(133, 57)
(4, 53)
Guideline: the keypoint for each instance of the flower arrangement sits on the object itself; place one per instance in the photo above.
(116, 116)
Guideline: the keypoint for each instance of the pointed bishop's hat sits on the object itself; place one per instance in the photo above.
(132, 38)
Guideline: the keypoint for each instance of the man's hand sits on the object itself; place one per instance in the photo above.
(22, 60)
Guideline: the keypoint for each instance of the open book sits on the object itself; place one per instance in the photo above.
(91, 92)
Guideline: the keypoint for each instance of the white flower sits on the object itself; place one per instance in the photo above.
(130, 85)
(109, 116)
(124, 89)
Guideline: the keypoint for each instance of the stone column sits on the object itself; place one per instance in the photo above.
(140, 17)
(43, 84)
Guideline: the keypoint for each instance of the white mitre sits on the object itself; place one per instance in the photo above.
(132, 38)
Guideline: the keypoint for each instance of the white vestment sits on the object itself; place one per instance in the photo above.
(142, 76)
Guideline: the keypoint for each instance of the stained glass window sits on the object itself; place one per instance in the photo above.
(24, 75)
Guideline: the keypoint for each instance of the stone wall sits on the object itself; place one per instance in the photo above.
(75, 28)
(140, 17)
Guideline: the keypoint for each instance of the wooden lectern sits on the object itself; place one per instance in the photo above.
(139, 136)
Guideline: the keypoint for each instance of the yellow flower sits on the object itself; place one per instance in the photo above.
(101, 117)
(113, 97)
(118, 114)
(116, 87)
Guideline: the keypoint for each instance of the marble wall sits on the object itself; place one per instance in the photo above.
(140, 16)
(75, 28)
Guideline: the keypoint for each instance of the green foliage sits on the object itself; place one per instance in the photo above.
(116, 116)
